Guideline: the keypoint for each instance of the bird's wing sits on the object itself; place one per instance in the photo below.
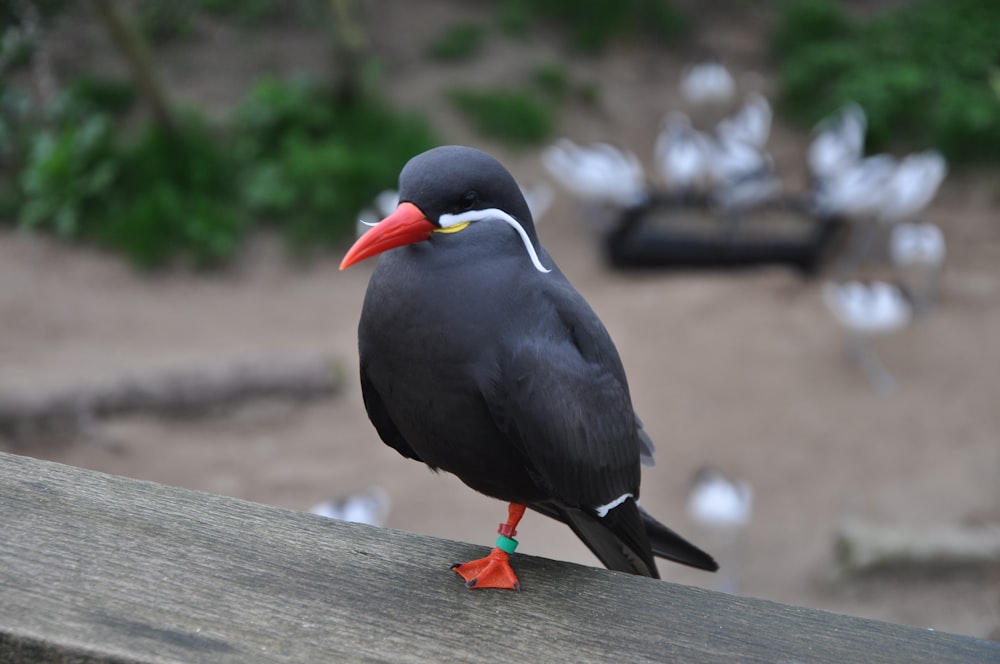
(560, 395)
(379, 417)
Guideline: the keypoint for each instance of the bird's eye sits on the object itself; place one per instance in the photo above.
(469, 200)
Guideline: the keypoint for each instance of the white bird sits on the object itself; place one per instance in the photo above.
(873, 309)
(682, 155)
(838, 142)
(912, 186)
(750, 124)
(599, 173)
(917, 250)
(866, 311)
(716, 503)
(733, 160)
(743, 175)
(370, 506)
(856, 191)
(707, 83)
(723, 509)
(916, 243)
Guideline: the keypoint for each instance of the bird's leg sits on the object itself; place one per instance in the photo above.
(861, 352)
(494, 570)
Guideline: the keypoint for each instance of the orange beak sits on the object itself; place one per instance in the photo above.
(404, 226)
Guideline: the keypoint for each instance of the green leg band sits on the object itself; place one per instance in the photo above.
(506, 544)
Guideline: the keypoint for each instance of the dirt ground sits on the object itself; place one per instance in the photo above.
(744, 370)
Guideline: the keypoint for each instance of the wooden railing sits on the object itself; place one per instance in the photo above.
(96, 567)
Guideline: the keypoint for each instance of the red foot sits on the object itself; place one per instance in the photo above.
(493, 571)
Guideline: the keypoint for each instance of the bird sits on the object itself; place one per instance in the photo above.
(682, 155)
(717, 503)
(707, 84)
(838, 142)
(912, 186)
(743, 175)
(857, 190)
(370, 507)
(750, 124)
(479, 358)
(869, 310)
(855, 193)
(917, 251)
(598, 173)
(723, 509)
(913, 243)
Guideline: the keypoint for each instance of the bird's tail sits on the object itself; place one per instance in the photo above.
(627, 538)
(617, 539)
(668, 544)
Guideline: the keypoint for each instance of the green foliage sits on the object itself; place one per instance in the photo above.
(508, 115)
(160, 196)
(252, 13)
(553, 80)
(461, 41)
(310, 164)
(68, 173)
(16, 119)
(294, 157)
(922, 73)
(88, 93)
(593, 24)
(173, 197)
(805, 22)
(164, 21)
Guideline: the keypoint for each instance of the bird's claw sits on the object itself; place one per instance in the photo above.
(493, 571)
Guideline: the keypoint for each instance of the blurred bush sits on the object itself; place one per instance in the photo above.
(151, 194)
(921, 72)
(458, 42)
(593, 24)
(292, 158)
(508, 115)
(311, 163)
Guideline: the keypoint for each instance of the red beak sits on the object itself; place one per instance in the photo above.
(404, 226)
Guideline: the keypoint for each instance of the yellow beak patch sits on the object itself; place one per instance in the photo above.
(453, 229)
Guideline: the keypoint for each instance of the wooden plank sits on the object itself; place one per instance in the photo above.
(95, 567)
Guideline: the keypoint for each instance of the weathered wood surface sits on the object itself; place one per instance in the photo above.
(95, 567)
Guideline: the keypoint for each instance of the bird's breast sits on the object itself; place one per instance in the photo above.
(428, 341)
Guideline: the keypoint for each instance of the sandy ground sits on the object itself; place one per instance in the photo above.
(744, 371)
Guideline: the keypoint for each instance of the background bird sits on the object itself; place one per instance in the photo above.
(866, 311)
(707, 89)
(599, 172)
(912, 185)
(370, 506)
(750, 124)
(838, 142)
(683, 157)
(722, 508)
(917, 252)
(479, 358)
(605, 179)
(707, 83)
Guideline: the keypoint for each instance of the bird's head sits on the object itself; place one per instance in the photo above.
(444, 190)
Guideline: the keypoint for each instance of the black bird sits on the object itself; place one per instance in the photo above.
(479, 358)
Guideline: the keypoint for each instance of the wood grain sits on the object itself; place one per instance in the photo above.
(95, 567)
